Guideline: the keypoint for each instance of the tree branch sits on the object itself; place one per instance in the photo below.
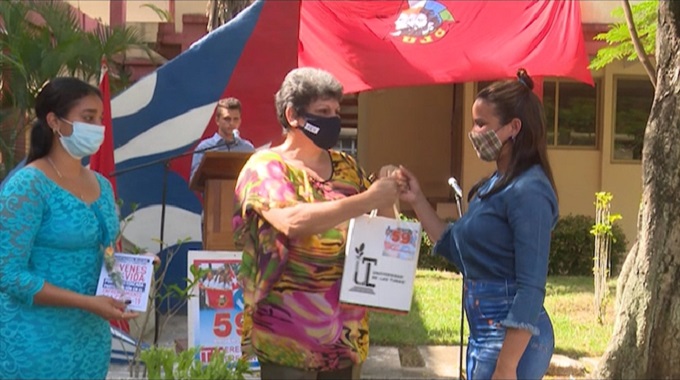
(639, 49)
(213, 15)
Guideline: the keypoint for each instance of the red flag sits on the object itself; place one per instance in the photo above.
(102, 161)
(380, 44)
(538, 87)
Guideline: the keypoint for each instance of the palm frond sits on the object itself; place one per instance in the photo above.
(41, 40)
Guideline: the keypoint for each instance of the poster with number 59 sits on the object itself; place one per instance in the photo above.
(215, 310)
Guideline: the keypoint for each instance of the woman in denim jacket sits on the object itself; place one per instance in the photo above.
(502, 244)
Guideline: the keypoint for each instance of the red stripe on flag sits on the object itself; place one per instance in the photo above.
(538, 87)
(272, 49)
(103, 161)
(372, 45)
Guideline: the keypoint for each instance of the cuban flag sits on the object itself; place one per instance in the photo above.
(238, 292)
(168, 112)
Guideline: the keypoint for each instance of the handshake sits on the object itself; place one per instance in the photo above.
(394, 184)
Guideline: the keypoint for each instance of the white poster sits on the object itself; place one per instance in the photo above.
(215, 310)
(381, 259)
(137, 273)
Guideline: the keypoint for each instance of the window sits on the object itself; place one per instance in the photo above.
(349, 112)
(348, 142)
(633, 103)
(571, 112)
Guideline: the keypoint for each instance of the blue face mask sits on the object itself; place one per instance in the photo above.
(84, 141)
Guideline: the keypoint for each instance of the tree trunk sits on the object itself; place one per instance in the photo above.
(221, 11)
(646, 340)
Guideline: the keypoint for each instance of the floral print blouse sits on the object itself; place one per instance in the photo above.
(291, 287)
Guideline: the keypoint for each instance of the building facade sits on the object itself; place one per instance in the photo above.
(595, 133)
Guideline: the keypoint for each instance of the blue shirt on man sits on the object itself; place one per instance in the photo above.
(238, 145)
(507, 237)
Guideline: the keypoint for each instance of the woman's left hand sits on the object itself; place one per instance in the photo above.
(408, 185)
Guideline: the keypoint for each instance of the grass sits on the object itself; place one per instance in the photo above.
(435, 315)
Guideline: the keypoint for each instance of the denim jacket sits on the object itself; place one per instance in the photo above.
(507, 237)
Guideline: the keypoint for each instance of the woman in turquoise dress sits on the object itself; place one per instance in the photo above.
(56, 219)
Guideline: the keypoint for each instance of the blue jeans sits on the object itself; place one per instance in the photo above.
(486, 304)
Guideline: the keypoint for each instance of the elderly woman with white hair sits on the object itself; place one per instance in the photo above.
(293, 204)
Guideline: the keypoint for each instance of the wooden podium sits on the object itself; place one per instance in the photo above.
(216, 178)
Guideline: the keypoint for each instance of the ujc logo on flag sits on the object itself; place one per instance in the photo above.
(423, 22)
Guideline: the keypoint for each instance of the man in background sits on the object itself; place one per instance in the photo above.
(228, 119)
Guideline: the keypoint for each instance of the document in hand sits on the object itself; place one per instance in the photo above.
(137, 272)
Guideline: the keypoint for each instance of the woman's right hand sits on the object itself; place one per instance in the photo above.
(411, 191)
(109, 309)
(384, 192)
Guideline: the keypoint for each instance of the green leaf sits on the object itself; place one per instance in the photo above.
(32, 54)
(618, 37)
(163, 14)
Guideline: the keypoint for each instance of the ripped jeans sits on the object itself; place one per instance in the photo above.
(486, 304)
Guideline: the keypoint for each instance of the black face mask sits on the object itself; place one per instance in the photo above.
(323, 131)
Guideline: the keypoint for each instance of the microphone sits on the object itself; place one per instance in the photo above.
(456, 188)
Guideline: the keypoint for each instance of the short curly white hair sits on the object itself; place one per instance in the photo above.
(303, 86)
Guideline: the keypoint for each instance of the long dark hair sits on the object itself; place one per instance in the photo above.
(59, 95)
(515, 99)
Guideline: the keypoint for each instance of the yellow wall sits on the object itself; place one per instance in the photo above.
(622, 179)
(188, 7)
(98, 9)
(134, 11)
(474, 169)
(577, 177)
(599, 11)
(148, 31)
(408, 126)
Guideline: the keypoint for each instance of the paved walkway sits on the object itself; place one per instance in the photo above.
(441, 362)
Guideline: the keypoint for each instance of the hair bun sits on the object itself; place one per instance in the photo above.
(524, 78)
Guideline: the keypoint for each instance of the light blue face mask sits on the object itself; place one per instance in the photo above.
(84, 141)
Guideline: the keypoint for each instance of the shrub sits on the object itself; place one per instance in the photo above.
(572, 247)
(165, 363)
(571, 250)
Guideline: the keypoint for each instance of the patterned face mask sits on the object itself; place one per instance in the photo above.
(487, 144)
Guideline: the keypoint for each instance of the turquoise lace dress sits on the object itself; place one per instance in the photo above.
(49, 235)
